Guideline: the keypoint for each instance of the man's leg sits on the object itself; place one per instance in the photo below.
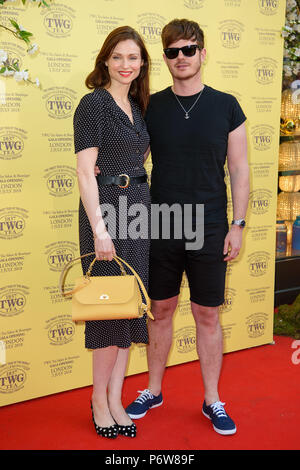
(210, 352)
(209, 348)
(165, 275)
(160, 340)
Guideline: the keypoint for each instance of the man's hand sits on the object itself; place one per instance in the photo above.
(233, 243)
(97, 170)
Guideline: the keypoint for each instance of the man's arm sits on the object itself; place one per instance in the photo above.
(238, 168)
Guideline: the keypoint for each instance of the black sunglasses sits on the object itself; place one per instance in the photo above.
(188, 51)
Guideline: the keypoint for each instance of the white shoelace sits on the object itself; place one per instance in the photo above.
(218, 409)
(144, 395)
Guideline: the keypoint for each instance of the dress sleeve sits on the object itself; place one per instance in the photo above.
(87, 123)
(237, 115)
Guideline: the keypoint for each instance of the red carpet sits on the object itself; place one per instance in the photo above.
(261, 387)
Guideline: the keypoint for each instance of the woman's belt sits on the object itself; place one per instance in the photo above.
(123, 181)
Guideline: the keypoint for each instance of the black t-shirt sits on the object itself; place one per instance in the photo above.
(188, 155)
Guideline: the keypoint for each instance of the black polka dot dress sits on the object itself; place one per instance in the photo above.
(100, 122)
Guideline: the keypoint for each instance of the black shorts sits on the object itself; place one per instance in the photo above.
(205, 268)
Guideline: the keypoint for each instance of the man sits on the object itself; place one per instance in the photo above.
(192, 128)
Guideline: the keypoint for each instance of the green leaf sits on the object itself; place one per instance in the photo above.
(15, 24)
(25, 34)
(15, 66)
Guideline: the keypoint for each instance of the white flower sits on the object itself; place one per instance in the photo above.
(34, 47)
(7, 73)
(285, 34)
(297, 52)
(288, 71)
(18, 76)
(297, 27)
(3, 56)
(22, 75)
(37, 82)
(290, 4)
(292, 16)
(296, 69)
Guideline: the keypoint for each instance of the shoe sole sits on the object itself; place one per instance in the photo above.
(224, 432)
(132, 416)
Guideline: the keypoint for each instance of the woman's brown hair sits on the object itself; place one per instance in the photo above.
(99, 77)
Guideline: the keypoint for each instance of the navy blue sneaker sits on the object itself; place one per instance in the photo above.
(222, 423)
(143, 403)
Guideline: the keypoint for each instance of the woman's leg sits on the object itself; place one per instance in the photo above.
(104, 360)
(115, 387)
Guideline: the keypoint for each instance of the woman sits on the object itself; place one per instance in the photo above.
(109, 131)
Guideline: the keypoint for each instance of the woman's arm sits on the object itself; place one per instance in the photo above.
(88, 189)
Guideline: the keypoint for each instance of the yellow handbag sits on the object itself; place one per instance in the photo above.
(106, 297)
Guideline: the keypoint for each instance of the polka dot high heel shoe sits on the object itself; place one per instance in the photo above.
(111, 432)
(129, 430)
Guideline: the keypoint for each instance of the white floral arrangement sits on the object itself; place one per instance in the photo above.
(8, 67)
(291, 35)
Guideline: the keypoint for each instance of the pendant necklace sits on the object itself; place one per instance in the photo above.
(186, 112)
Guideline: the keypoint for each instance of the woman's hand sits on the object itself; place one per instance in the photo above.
(104, 247)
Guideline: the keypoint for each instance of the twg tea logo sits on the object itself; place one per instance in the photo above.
(59, 102)
(150, 27)
(256, 324)
(11, 143)
(59, 254)
(13, 300)
(229, 296)
(12, 222)
(60, 180)
(268, 7)
(15, 54)
(13, 377)
(260, 200)
(58, 21)
(231, 33)
(61, 331)
(258, 263)
(185, 339)
(262, 137)
(193, 4)
(265, 70)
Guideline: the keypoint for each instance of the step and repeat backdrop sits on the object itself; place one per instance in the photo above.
(44, 350)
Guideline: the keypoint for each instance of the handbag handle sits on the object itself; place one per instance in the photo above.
(119, 261)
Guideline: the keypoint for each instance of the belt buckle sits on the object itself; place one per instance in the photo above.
(127, 181)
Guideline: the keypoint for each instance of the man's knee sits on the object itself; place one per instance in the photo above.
(205, 316)
(164, 309)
